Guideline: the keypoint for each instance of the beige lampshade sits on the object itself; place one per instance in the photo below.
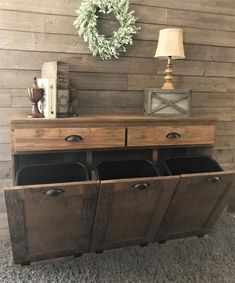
(170, 43)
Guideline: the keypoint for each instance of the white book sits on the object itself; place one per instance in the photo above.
(49, 103)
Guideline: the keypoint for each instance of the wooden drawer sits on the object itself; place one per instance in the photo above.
(50, 220)
(171, 135)
(41, 139)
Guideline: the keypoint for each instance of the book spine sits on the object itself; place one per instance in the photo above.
(49, 103)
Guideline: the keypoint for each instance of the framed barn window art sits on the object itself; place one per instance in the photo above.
(159, 101)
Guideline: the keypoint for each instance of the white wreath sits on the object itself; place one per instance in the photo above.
(99, 44)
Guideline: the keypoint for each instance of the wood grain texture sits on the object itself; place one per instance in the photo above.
(68, 7)
(54, 138)
(35, 32)
(127, 216)
(150, 136)
(195, 205)
(66, 220)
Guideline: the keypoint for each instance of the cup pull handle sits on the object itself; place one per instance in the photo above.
(53, 192)
(73, 138)
(141, 186)
(173, 135)
(214, 179)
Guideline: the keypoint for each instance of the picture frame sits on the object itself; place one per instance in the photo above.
(172, 102)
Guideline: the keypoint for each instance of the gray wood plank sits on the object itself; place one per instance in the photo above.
(140, 82)
(225, 128)
(4, 134)
(99, 81)
(87, 63)
(17, 40)
(68, 7)
(200, 20)
(8, 113)
(5, 97)
(5, 172)
(106, 99)
(213, 99)
(218, 7)
(108, 111)
(5, 152)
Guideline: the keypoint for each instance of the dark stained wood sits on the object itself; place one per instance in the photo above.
(196, 205)
(43, 226)
(127, 216)
(32, 38)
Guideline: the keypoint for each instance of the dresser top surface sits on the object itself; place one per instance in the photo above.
(117, 118)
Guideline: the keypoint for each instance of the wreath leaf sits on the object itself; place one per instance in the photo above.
(99, 44)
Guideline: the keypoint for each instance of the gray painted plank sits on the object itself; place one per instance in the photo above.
(218, 7)
(87, 63)
(5, 152)
(4, 135)
(140, 82)
(200, 20)
(5, 172)
(5, 97)
(68, 7)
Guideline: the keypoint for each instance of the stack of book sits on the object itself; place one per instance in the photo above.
(55, 81)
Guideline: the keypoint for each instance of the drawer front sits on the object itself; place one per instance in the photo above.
(47, 221)
(196, 205)
(130, 211)
(68, 138)
(171, 135)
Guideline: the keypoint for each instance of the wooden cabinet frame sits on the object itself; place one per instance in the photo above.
(111, 213)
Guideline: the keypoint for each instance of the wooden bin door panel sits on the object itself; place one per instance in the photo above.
(196, 205)
(126, 215)
(43, 226)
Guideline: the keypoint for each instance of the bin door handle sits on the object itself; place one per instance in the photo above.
(173, 135)
(74, 138)
(141, 186)
(53, 192)
(214, 179)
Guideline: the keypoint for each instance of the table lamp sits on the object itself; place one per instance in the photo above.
(170, 46)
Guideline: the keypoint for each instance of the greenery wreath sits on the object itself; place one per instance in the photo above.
(99, 44)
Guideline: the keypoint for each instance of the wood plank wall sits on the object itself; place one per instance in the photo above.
(32, 32)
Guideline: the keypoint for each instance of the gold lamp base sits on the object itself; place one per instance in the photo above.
(168, 77)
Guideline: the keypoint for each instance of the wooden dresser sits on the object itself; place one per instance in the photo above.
(95, 215)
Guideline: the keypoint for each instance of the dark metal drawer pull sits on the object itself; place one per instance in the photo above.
(173, 135)
(54, 192)
(73, 138)
(141, 186)
(214, 179)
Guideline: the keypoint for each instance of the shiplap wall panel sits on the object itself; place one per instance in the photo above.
(225, 7)
(33, 32)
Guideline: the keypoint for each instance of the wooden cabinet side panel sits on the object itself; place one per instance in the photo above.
(15, 215)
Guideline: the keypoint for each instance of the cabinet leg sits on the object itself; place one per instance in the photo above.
(143, 245)
(99, 251)
(200, 236)
(25, 263)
